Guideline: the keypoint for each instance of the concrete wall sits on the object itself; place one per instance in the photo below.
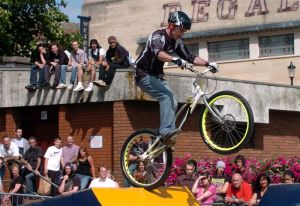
(262, 97)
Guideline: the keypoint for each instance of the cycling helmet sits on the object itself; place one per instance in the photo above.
(179, 18)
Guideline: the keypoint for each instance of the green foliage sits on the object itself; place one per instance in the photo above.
(67, 39)
(24, 22)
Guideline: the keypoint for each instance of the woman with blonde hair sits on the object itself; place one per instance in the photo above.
(205, 191)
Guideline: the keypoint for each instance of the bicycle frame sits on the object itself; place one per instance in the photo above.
(191, 103)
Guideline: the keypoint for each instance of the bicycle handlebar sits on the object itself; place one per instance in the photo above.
(208, 69)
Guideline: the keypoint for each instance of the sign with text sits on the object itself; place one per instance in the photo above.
(84, 31)
(96, 142)
(44, 115)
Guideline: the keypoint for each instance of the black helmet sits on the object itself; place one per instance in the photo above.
(179, 18)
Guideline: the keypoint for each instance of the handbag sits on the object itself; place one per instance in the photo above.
(44, 186)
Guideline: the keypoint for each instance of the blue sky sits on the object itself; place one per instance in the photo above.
(73, 9)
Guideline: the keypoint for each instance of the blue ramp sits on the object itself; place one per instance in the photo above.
(282, 195)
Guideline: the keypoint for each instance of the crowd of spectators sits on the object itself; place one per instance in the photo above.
(55, 60)
(69, 167)
(235, 190)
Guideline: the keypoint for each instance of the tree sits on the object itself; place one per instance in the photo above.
(25, 22)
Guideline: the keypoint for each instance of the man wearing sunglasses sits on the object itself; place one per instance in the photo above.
(116, 58)
(149, 68)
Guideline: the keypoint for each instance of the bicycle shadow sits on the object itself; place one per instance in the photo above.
(162, 192)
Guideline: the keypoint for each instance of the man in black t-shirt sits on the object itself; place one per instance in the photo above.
(39, 58)
(33, 156)
(149, 67)
(116, 58)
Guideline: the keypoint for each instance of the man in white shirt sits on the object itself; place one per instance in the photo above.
(10, 152)
(52, 163)
(103, 181)
(20, 141)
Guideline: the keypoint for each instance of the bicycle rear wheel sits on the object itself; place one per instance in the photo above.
(157, 164)
(235, 126)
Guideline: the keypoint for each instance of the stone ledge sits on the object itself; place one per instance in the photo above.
(15, 59)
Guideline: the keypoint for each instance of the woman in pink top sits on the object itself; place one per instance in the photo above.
(205, 191)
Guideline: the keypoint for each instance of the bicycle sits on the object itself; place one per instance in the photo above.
(226, 124)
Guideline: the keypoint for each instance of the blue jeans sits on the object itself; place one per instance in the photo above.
(84, 181)
(63, 72)
(30, 183)
(33, 75)
(2, 172)
(160, 90)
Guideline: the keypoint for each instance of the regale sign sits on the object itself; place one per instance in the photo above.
(227, 9)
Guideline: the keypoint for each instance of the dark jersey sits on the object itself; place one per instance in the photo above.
(148, 63)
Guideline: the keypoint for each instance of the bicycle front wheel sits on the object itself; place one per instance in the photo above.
(231, 126)
(145, 162)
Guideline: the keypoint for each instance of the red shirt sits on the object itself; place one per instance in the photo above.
(244, 192)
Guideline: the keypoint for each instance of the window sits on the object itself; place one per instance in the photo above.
(276, 45)
(227, 50)
(193, 48)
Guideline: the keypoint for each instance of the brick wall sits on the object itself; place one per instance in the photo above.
(85, 120)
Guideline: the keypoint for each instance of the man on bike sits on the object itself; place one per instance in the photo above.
(149, 67)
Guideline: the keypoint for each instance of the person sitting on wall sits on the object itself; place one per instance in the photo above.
(116, 57)
(39, 57)
(55, 60)
(96, 56)
(78, 61)
(239, 192)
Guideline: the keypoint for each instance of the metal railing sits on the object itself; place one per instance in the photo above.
(16, 199)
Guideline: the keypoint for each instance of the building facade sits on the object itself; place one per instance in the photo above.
(251, 39)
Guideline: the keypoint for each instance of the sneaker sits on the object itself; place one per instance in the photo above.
(170, 137)
(61, 86)
(30, 87)
(78, 88)
(100, 83)
(70, 86)
(89, 88)
(38, 86)
(54, 86)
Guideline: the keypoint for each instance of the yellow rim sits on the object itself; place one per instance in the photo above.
(207, 137)
(126, 159)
